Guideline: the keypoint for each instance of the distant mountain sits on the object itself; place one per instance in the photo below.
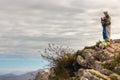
(8, 77)
(27, 76)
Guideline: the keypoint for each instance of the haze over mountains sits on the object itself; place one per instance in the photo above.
(27, 76)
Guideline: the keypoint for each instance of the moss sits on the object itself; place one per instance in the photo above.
(90, 47)
(79, 52)
(97, 75)
(117, 58)
(110, 66)
(97, 43)
(113, 64)
(113, 78)
(62, 78)
(118, 72)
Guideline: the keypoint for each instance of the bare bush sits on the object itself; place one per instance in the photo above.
(54, 53)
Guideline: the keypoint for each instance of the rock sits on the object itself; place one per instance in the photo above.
(81, 61)
(99, 75)
(103, 55)
(86, 59)
(117, 41)
(94, 64)
(117, 68)
(115, 75)
(42, 75)
(94, 58)
(98, 66)
(52, 74)
(90, 74)
(87, 53)
(83, 74)
(111, 50)
(106, 72)
(83, 78)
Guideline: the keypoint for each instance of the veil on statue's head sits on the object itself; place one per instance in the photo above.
(105, 12)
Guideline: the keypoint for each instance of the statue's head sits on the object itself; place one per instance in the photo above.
(105, 13)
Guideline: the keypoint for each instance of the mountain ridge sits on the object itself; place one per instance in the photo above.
(25, 76)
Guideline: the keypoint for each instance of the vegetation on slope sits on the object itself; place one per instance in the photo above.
(64, 64)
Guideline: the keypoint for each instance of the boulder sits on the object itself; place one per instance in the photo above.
(42, 75)
(90, 74)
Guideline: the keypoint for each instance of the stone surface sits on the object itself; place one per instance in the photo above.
(91, 64)
(42, 75)
(90, 74)
(94, 58)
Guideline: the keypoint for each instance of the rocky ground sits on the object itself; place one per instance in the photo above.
(96, 63)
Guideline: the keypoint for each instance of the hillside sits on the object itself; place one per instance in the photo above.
(26, 76)
(90, 63)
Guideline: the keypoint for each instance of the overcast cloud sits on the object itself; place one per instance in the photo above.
(27, 26)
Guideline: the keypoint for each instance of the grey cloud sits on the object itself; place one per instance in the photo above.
(28, 26)
(46, 5)
(95, 4)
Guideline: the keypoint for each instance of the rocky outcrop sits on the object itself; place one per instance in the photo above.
(90, 74)
(42, 75)
(100, 64)
(95, 64)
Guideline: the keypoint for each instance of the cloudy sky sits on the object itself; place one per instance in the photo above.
(27, 26)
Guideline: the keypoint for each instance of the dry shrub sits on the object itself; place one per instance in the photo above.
(62, 60)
